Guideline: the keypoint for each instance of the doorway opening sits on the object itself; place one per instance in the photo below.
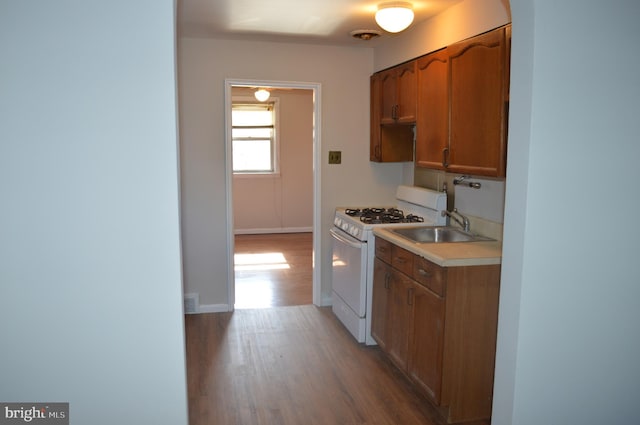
(272, 192)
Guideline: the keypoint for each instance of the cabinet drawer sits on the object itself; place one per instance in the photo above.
(430, 275)
(383, 250)
(402, 259)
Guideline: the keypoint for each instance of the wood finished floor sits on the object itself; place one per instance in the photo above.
(273, 270)
(292, 363)
(291, 366)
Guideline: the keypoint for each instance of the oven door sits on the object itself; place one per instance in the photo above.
(349, 270)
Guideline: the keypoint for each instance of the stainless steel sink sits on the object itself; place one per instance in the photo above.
(437, 234)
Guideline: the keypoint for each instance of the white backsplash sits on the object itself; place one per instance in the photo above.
(486, 202)
(484, 206)
(483, 227)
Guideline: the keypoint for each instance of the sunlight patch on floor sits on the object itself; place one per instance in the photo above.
(254, 294)
(261, 261)
(256, 275)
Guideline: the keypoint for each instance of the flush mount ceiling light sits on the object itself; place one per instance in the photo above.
(365, 34)
(262, 95)
(394, 16)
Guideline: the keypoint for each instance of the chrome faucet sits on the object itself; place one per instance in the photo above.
(464, 222)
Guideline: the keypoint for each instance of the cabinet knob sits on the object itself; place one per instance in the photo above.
(423, 272)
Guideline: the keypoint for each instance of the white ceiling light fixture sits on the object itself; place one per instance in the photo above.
(262, 95)
(394, 16)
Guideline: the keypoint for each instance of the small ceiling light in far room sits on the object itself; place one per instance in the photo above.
(394, 16)
(262, 95)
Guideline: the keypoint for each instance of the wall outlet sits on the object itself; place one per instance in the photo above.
(335, 157)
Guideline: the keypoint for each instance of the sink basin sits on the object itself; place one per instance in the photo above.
(437, 234)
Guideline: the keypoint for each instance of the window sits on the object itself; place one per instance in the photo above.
(253, 137)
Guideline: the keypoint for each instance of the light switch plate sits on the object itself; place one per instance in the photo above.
(335, 157)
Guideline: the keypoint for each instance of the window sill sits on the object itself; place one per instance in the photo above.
(256, 175)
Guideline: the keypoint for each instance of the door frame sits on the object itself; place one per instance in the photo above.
(317, 125)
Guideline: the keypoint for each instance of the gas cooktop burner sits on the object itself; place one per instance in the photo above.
(383, 216)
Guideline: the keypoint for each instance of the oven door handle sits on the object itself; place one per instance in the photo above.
(354, 243)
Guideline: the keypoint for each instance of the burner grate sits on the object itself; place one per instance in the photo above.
(383, 215)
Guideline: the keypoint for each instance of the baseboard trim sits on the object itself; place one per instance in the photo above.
(213, 308)
(273, 230)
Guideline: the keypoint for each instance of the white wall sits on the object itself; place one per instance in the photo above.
(282, 202)
(569, 341)
(344, 75)
(90, 281)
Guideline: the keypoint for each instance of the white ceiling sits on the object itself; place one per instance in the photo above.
(306, 21)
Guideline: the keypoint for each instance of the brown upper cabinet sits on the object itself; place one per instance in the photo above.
(392, 142)
(478, 96)
(460, 105)
(463, 106)
(458, 99)
(398, 88)
(432, 125)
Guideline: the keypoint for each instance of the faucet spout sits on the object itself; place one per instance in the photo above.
(462, 220)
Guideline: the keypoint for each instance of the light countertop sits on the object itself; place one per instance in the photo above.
(453, 254)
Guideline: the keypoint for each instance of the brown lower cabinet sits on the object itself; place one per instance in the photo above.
(438, 326)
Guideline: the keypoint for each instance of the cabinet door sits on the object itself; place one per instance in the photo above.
(427, 342)
(406, 81)
(399, 319)
(398, 91)
(432, 122)
(478, 105)
(375, 151)
(389, 93)
(380, 302)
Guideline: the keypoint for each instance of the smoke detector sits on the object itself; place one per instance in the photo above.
(365, 34)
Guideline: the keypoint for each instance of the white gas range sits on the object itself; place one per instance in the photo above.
(354, 250)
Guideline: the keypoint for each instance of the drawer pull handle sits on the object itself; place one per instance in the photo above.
(401, 260)
(387, 278)
(423, 272)
(410, 296)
